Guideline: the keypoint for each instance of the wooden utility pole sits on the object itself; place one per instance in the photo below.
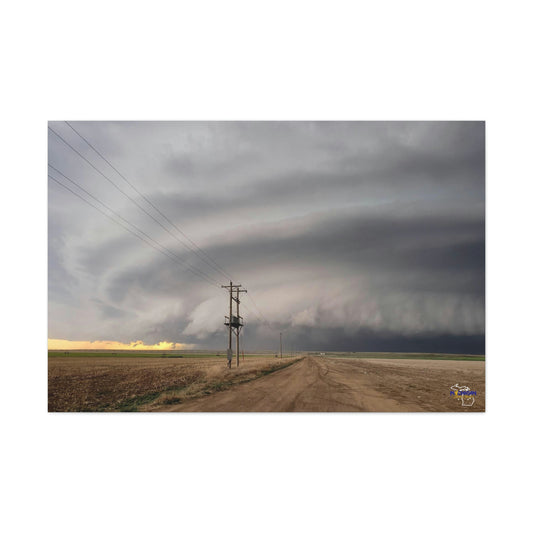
(233, 322)
(280, 348)
(230, 354)
(239, 319)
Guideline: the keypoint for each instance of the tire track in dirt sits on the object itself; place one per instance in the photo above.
(310, 385)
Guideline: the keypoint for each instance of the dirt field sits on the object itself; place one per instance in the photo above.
(311, 384)
(128, 383)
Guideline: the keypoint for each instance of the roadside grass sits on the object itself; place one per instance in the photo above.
(132, 404)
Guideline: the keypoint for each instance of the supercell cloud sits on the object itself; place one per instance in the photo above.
(359, 236)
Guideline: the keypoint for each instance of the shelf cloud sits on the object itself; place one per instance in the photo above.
(349, 236)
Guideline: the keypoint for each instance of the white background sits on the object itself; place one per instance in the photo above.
(335, 60)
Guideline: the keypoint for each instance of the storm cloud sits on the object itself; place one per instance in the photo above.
(355, 236)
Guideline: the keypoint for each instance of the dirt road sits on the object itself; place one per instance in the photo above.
(318, 384)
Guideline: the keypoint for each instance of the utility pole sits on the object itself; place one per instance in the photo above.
(234, 322)
(280, 348)
(230, 354)
(239, 319)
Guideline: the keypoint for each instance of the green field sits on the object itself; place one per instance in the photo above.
(393, 355)
(189, 355)
(139, 353)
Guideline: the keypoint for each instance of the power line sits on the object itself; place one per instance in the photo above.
(261, 320)
(126, 194)
(210, 261)
(126, 228)
(259, 311)
(189, 267)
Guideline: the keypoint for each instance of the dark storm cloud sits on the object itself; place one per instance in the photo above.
(375, 230)
(372, 341)
(431, 172)
(404, 242)
(438, 259)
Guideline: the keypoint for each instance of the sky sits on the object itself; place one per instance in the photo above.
(348, 236)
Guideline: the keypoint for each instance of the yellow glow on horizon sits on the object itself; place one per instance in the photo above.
(63, 344)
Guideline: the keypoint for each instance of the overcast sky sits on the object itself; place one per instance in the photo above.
(359, 236)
